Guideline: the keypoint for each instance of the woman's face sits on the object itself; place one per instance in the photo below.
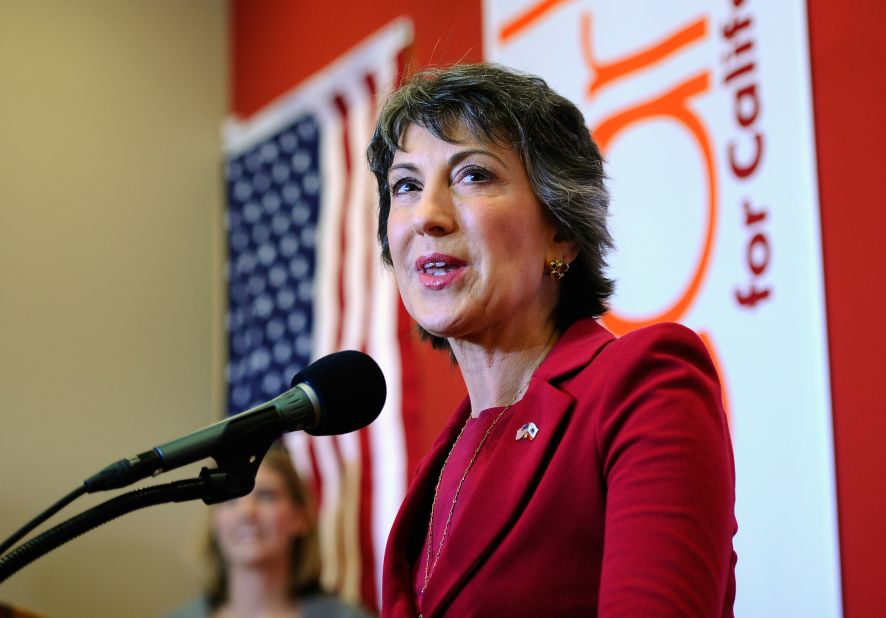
(259, 528)
(469, 239)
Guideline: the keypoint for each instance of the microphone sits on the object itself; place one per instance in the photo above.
(336, 394)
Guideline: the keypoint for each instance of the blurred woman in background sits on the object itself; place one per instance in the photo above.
(265, 555)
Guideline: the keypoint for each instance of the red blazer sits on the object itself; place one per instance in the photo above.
(622, 505)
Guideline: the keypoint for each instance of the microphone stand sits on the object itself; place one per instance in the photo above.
(234, 477)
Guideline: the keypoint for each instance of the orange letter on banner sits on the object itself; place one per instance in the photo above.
(671, 105)
(603, 74)
(526, 19)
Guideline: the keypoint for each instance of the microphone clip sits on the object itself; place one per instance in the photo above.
(238, 464)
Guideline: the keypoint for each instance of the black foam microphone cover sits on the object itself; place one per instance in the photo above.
(351, 389)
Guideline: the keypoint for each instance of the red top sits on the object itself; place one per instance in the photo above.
(622, 505)
(459, 461)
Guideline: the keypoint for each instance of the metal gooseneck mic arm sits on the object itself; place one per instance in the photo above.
(235, 477)
(178, 491)
(316, 403)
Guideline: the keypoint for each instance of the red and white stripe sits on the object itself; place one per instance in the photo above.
(360, 477)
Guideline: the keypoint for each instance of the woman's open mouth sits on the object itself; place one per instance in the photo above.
(438, 270)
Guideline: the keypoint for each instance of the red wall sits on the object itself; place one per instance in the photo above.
(849, 86)
(277, 43)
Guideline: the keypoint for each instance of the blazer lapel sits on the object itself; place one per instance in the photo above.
(498, 498)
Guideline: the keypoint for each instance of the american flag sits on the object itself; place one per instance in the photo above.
(305, 280)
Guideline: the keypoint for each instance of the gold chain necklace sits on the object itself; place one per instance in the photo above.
(429, 568)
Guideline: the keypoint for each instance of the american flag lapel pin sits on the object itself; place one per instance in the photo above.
(527, 431)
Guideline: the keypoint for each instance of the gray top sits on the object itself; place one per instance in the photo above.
(313, 606)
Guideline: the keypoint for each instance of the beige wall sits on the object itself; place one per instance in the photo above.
(110, 279)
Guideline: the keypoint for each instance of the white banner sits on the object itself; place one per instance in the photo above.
(703, 111)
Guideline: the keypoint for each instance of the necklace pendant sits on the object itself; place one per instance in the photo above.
(527, 432)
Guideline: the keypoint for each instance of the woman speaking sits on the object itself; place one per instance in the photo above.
(583, 475)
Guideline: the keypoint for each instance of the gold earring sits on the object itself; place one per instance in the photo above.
(556, 269)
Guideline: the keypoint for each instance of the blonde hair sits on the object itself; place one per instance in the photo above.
(304, 573)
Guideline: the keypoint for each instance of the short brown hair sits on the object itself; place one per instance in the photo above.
(564, 165)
